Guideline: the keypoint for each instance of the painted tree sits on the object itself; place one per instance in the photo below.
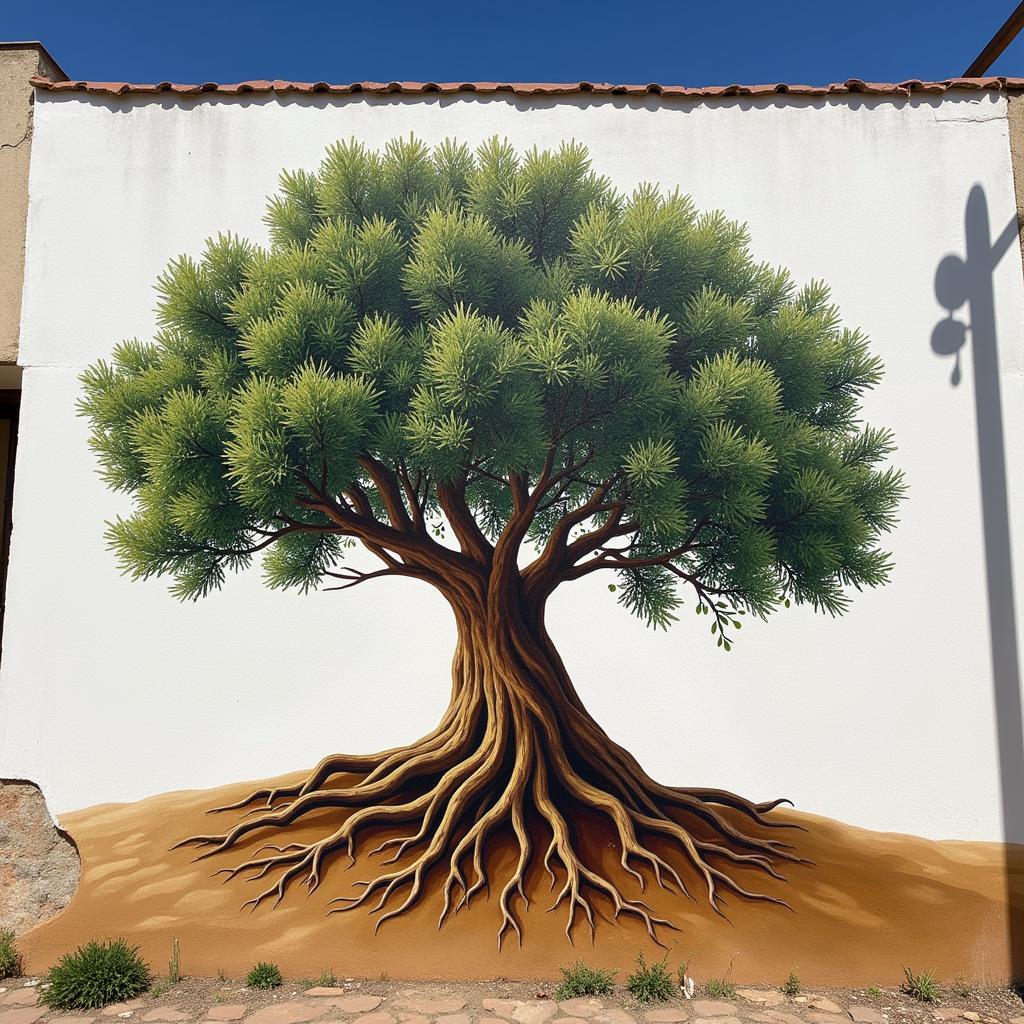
(497, 375)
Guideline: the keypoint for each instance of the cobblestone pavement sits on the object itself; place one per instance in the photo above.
(383, 1002)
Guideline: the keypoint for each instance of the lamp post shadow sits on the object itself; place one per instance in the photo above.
(968, 281)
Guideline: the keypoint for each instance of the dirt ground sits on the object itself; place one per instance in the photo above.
(380, 1001)
(868, 904)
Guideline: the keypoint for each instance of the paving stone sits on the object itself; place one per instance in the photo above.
(569, 1020)
(500, 1007)
(783, 1017)
(713, 1008)
(666, 1015)
(827, 1018)
(613, 1016)
(289, 1013)
(1017, 1020)
(971, 1015)
(412, 1018)
(116, 1009)
(430, 1007)
(324, 990)
(233, 1011)
(866, 1015)
(534, 1012)
(22, 1015)
(951, 1013)
(766, 997)
(167, 1013)
(354, 1004)
(375, 1018)
(823, 1004)
(21, 997)
(584, 1006)
(492, 1020)
(77, 1020)
(716, 1020)
(454, 1018)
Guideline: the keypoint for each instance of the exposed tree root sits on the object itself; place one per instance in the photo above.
(518, 760)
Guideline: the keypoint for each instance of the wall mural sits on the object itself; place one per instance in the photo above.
(492, 372)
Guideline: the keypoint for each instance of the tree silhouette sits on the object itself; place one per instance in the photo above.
(498, 375)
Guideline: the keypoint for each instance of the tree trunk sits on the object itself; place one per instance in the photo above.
(516, 753)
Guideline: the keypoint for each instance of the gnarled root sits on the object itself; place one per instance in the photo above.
(500, 768)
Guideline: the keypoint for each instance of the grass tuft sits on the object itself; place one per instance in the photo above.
(719, 988)
(792, 986)
(264, 976)
(961, 987)
(581, 980)
(921, 986)
(174, 964)
(10, 958)
(650, 984)
(96, 974)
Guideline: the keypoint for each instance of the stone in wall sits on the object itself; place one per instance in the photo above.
(38, 864)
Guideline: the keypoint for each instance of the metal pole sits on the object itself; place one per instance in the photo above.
(999, 42)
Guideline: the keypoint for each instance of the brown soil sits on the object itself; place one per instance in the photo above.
(869, 903)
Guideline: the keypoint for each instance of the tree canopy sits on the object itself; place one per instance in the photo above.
(501, 349)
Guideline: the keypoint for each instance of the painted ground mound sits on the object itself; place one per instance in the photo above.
(867, 904)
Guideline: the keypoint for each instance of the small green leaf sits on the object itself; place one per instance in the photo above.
(714, 628)
(612, 587)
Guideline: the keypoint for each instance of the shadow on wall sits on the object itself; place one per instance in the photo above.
(968, 281)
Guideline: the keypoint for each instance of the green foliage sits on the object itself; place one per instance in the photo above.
(651, 984)
(96, 974)
(792, 985)
(921, 986)
(720, 988)
(429, 330)
(874, 992)
(326, 979)
(10, 958)
(264, 975)
(581, 980)
(961, 987)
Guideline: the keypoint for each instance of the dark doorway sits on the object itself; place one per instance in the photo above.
(10, 403)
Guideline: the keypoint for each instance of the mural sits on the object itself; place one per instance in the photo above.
(493, 373)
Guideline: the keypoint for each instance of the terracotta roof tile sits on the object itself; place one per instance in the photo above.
(850, 86)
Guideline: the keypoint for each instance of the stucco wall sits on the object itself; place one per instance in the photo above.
(18, 63)
(110, 690)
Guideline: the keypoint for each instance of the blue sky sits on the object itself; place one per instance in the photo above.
(692, 42)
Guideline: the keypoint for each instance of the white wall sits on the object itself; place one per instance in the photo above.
(111, 690)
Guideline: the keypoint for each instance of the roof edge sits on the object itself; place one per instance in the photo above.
(852, 86)
(34, 44)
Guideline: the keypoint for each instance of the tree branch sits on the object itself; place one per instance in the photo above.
(388, 488)
(452, 500)
(449, 570)
(354, 576)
